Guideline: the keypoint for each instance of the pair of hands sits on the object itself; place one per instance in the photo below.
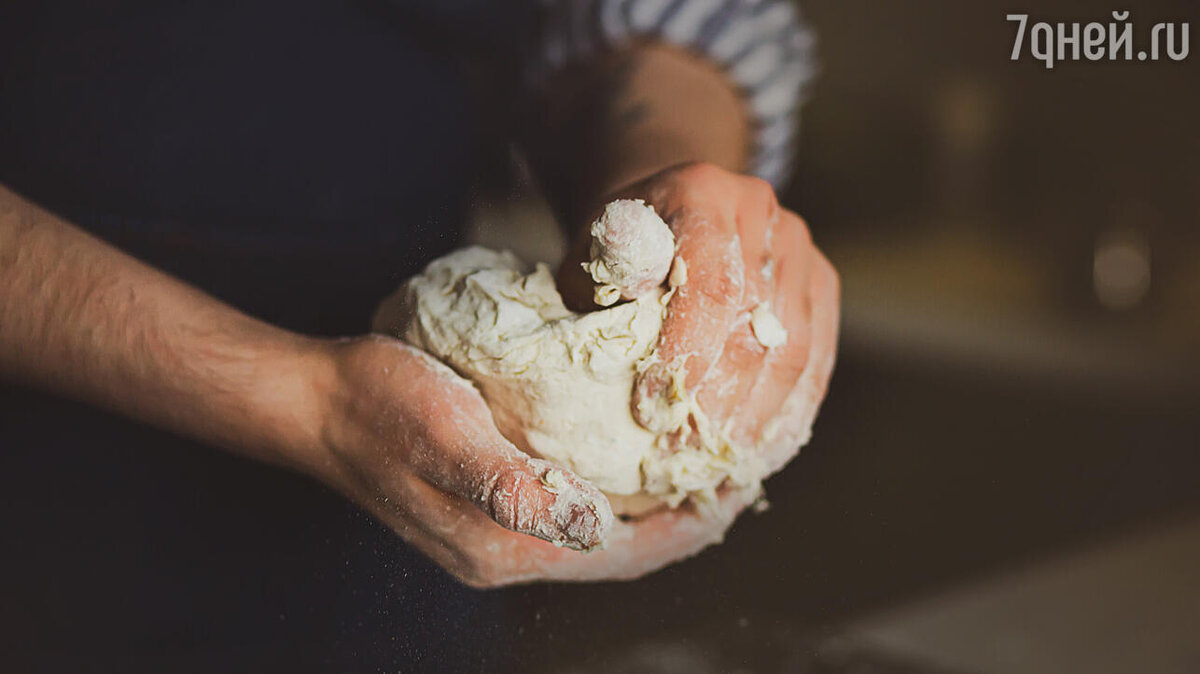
(416, 445)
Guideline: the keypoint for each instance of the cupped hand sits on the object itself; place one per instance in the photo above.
(737, 251)
(415, 444)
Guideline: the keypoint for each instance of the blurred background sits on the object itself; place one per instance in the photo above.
(1005, 476)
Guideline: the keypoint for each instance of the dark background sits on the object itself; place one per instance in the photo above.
(991, 407)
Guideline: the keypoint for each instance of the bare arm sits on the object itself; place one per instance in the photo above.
(379, 421)
(608, 123)
(80, 318)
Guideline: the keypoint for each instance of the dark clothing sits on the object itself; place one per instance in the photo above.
(321, 146)
(297, 160)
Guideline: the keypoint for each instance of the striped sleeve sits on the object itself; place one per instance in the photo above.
(763, 45)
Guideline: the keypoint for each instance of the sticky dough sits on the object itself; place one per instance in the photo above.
(559, 383)
(631, 251)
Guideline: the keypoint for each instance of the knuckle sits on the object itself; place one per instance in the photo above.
(701, 171)
(760, 188)
(497, 496)
(724, 288)
(506, 497)
(798, 224)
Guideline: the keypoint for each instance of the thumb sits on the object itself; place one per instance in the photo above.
(528, 495)
(460, 450)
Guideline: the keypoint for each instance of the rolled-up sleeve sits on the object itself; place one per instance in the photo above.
(764, 46)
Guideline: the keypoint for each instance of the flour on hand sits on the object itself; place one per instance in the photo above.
(560, 383)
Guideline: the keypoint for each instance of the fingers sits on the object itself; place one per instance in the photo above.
(789, 288)
(734, 385)
(482, 554)
(740, 250)
(752, 376)
(787, 296)
(700, 316)
(662, 539)
(792, 427)
(529, 496)
(460, 450)
(756, 220)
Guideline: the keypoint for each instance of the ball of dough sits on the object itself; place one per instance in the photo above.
(631, 251)
(559, 383)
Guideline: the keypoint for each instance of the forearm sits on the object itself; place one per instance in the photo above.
(82, 319)
(620, 118)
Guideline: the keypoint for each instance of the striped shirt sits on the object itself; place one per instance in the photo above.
(763, 45)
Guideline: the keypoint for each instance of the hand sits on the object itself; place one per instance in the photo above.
(379, 421)
(415, 445)
(740, 250)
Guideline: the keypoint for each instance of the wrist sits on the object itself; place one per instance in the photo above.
(306, 386)
(281, 410)
(692, 113)
(629, 114)
(639, 155)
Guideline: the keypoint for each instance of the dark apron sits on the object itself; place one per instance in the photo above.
(297, 160)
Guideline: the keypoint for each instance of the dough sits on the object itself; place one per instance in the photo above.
(766, 327)
(631, 251)
(559, 383)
